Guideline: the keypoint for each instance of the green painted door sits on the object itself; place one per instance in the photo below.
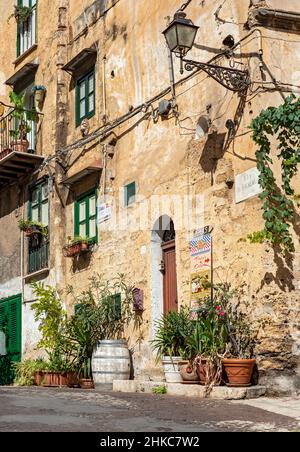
(11, 323)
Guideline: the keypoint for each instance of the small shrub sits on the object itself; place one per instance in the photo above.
(160, 390)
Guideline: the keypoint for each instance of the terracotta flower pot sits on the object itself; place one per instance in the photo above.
(51, 379)
(85, 246)
(189, 373)
(63, 380)
(72, 250)
(20, 145)
(86, 384)
(38, 378)
(207, 372)
(239, 371)
(28, 232)
(72, 380)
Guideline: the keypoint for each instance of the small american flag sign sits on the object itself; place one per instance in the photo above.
(200, 245)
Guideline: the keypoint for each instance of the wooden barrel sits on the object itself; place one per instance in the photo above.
(111, 361)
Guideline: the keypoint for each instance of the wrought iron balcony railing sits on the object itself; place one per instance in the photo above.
(11, 137)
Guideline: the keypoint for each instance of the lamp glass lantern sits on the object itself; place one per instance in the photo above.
(181, 34)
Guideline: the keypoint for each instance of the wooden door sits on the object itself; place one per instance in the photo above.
(170, 277)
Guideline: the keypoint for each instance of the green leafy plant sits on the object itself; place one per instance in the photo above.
(39, 228)
(107, 320)
(53, 326)
(21, 13)
(22, 117)
(283, 124)
(25, 371)
(171, 333)
(160, 389)
(241, 335)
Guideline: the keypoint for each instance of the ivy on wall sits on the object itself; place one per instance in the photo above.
(282, 123)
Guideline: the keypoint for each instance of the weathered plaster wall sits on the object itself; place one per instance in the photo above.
(164, 158)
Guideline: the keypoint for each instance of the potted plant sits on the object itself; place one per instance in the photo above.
(208, 343)
(22, 120)
(21, 13)
(39, 92)
(31, 228)
(55, 342)
(239, 362)
(170, 342)
(102, 315)
(76, 246)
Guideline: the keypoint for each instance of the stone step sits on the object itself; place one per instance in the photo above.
(195, 391)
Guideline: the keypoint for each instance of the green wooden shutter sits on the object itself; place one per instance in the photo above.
(10, 317)
(130, 194)
(14, 328)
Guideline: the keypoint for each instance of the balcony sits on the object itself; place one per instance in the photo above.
(38, 255)
(17, 157)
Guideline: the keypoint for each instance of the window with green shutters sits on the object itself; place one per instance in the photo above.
(86, 216)
(26, 32)
(85, 97)
(38, 247)
(129, 194)
(10, 322)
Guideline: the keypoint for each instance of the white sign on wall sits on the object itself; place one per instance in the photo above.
(104, 212)
(247, 185)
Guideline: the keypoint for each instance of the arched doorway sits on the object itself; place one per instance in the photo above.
(163, 268)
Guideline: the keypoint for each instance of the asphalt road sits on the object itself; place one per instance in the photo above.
(54, 410)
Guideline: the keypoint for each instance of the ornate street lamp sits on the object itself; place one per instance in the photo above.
(180, 36)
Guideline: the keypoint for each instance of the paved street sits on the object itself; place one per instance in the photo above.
(36, 409)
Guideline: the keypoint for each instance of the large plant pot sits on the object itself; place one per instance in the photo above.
(172, 369)
(51, 379)
(86, 383)
(63, 380)
(207, 373)
(239, 371)
(111, 361)
(72, 380)
(20, 145)
(189, 373)
(38, 378)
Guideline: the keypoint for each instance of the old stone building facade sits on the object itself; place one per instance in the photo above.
(110, 160)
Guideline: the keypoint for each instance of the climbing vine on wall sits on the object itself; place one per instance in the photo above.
(282, 123)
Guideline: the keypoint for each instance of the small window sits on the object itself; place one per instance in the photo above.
(85, 97)
(26, 35)
(130, 194)
(86, 216)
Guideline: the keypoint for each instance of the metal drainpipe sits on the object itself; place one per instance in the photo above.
(104, 87)
(22, 251)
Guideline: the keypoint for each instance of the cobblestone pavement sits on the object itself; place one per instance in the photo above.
(54, 410)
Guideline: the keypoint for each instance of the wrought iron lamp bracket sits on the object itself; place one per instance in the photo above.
(232, 79)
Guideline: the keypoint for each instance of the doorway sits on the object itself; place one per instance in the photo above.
(170, 277)
(164, 296)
